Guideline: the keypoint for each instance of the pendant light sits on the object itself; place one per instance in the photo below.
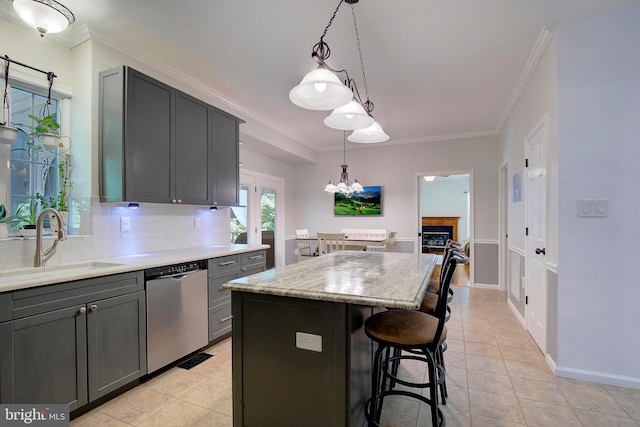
(369, 135)
(46, 16)
(349, 117)
(8, 134)
(320, 89)
(344, 186)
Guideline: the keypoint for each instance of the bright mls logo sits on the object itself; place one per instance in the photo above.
(36, 415)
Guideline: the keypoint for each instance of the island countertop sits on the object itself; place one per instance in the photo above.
(389, 279)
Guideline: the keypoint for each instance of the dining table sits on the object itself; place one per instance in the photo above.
(359, 242)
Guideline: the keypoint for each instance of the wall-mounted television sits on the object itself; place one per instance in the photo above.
(365, 203)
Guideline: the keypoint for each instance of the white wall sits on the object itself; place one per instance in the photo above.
(395, 169)
(539, 98)
(598, 128)
(446, 197)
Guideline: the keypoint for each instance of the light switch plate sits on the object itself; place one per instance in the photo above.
(307, 341)
(593, 208)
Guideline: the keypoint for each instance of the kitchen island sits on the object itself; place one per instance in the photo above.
(300, 355)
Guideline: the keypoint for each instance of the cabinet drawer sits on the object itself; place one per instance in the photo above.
(216, 293)
(5, 306)
(220, 321)
(224, 264)
(252, 259)
(38, 300)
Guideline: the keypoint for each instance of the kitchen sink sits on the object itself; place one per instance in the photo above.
(60, 268)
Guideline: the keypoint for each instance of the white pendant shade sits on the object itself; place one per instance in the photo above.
(46, 16)
(331, 187)
(369, 135)
(320, 89)
(350, 116)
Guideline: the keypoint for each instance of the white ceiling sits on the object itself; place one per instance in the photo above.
(436, 69)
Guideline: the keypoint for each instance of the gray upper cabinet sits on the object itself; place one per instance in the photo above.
(193, 150)
(226, 159)
(160, 145)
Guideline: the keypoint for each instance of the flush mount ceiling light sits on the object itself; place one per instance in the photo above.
(322, 89)
(46, 16)
(344, 185)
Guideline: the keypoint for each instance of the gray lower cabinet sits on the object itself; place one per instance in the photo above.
(221, 270)
(73, 342)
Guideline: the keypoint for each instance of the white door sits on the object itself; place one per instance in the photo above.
(263, 216)
(536, 199)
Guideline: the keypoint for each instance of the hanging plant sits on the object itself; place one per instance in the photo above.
(8, 134)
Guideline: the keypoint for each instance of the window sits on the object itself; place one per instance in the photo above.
(34, 176)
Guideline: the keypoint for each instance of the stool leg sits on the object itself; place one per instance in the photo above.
(376, 373)
(443, 384)
(433, 387)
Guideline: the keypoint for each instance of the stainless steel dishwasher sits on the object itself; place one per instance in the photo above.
(177, 322)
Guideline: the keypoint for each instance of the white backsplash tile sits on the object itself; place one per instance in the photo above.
(154, 228)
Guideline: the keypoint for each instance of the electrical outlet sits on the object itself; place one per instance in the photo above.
(309, 341)
(125, 224)
(197, 223)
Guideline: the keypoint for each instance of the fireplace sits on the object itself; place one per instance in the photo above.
(436, 230)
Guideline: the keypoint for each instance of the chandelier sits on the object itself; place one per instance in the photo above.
(344, 186)
(46, 16)
(322, 89)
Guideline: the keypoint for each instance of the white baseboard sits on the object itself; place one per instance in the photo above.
(598, 377)
(485, 286)
(516, 313)
(551, 363)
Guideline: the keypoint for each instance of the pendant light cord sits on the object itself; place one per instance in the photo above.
(368, 105)
(321, 48)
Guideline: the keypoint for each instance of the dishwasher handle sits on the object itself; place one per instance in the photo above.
(178, 276)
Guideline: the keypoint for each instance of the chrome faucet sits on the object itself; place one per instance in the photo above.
(41, 255)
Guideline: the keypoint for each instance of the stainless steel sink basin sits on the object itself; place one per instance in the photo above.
(58, 269)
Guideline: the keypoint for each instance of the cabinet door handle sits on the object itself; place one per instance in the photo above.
(173, 200)
(93, 307)
(222, 264)
(179, 200)
(226, 319)
(244, 268)
(255, 257)
(82, 310)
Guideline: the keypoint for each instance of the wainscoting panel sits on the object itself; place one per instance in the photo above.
(552, 313)
(516, 280)
(485, 259)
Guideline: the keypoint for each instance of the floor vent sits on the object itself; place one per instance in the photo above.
(194, 361)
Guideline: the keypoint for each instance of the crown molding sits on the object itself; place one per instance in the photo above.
(544, 38)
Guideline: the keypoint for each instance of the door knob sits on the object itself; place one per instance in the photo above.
(541, 251)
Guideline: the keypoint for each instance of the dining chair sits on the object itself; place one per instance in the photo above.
(304, 248)
(330, 242)
(388, 244)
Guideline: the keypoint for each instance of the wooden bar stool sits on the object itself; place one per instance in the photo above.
(413, 335)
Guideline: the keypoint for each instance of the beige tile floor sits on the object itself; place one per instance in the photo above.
(495, 374)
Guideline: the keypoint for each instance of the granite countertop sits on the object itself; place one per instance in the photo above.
(388, 279)
(26, 277)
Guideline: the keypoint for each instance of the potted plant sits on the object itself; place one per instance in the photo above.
(8, 134)
(46, 130)
(4, 220)
(25, 218)
(61, 201)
